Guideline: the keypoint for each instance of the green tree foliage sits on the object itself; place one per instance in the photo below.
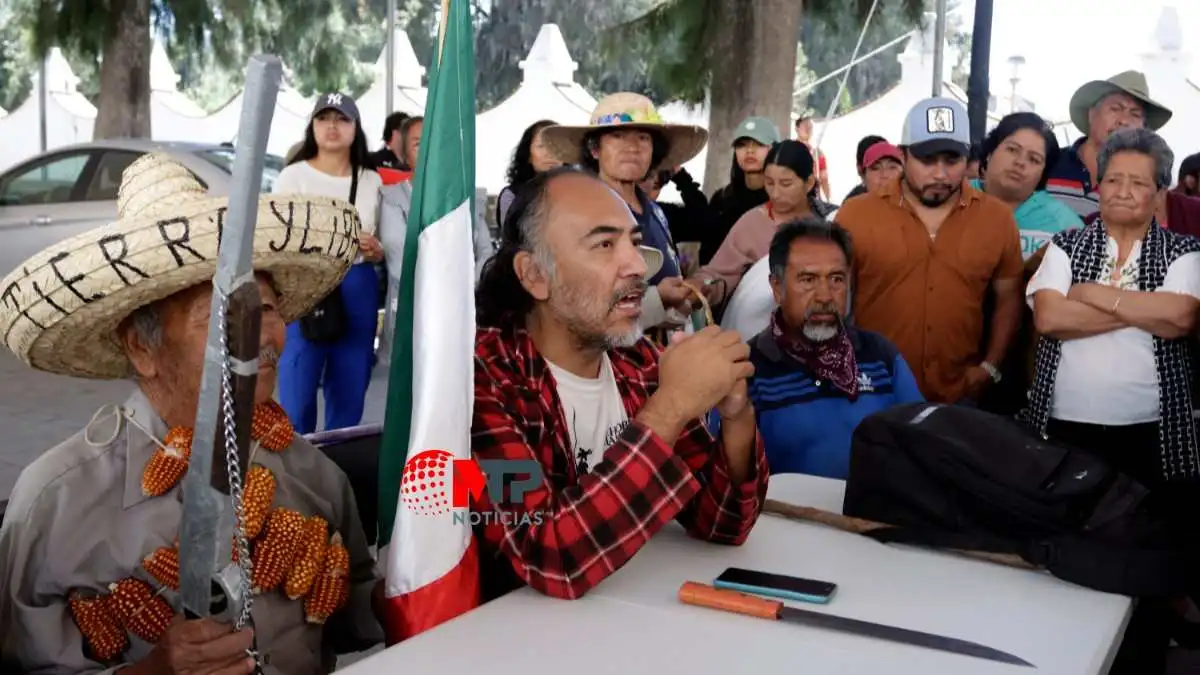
(16, 62)
(681, 34)
(830, 35)
(804, 77)
(508, 28)
(321, 41)
(958, 38)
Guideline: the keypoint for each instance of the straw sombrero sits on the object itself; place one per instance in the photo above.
(630, 111)
(60, 309)
(1130, 82)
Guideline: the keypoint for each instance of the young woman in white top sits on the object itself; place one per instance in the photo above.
(335, 350)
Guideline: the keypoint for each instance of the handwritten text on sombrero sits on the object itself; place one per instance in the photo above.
(172, 239)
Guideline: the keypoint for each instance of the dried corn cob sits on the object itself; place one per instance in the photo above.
(103, 636)
(163, 565)
(332, 586)
(168, 464)
(139, 609)
(271, 427)
(314, 541)
(257, 497)
(275, 552)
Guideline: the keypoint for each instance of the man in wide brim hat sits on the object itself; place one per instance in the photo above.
(1131, 84)
(88, 569)
(1098, 108)
(60, 310)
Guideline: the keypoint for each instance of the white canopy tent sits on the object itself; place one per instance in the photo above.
(173, 115)
(287, 126)
(408, 95)
(70, 117)
(548, 91)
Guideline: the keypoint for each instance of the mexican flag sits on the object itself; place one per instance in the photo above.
(432, 563)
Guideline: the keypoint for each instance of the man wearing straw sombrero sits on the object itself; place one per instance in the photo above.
(1099, 108)
(624, 143)
(89, 571)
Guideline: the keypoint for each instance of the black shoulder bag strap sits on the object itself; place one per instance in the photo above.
(354, 184)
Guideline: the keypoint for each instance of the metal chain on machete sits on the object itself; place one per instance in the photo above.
(235, 478)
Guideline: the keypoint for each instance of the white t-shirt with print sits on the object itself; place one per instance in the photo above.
(1110, 378)
(594, 412)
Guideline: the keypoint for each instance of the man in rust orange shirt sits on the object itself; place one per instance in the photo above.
(927, 250)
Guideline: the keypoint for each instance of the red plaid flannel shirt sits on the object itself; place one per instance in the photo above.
(594, 523)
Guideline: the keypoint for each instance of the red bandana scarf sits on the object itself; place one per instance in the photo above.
(831, 360)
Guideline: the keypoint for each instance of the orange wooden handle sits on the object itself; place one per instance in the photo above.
(703, 595)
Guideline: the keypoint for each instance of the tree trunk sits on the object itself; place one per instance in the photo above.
(752, 75)
(124, 101)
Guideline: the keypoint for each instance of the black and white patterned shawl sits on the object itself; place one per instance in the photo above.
(1088, 250)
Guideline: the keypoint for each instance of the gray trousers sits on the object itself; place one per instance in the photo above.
(387, 335)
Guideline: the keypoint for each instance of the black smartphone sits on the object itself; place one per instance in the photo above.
(775, 585)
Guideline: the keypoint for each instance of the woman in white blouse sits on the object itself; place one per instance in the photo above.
(334, 346)
(1115, 303)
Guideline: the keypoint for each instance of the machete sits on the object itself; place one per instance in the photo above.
(702, 595)
(211, 584)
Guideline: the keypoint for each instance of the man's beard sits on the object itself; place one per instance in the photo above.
(820, 331)
(585, 316)
(934, 202)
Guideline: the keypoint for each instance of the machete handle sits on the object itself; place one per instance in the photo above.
(703, 595)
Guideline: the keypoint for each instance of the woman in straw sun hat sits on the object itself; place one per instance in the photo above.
(336, 344)
(625, 141)
(132, 299)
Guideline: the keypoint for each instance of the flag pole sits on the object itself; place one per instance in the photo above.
(442, 28)
(390, 71)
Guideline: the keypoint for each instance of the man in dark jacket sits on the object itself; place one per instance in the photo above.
(388, 157)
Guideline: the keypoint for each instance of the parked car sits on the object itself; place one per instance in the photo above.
(73, 189)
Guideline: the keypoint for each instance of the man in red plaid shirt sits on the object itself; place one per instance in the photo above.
(563, 375)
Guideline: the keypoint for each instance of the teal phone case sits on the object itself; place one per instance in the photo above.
(774, 592)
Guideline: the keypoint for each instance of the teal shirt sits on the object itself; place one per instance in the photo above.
(1039, 218)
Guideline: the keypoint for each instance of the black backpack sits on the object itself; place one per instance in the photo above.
(953, 477)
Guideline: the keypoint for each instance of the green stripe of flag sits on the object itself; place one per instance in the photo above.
(444, 179)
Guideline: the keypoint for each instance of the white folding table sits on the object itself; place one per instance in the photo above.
(633, 623)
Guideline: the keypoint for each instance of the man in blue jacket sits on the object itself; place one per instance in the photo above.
(815, 377)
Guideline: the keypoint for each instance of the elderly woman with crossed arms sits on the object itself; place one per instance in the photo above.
(1115, 304)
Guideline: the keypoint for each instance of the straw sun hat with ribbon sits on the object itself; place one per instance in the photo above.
(60, 309)
(1130, 82)
(627, 111)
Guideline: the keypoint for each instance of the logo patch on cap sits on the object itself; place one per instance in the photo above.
(749, 126)
(939, 120)
(334, 99)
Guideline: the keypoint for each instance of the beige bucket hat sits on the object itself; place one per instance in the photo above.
(60, 309)
(631, 111)
(1130, 82)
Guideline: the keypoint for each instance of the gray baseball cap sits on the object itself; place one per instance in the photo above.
(937, 125)
(343, 103)
(758, 129)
